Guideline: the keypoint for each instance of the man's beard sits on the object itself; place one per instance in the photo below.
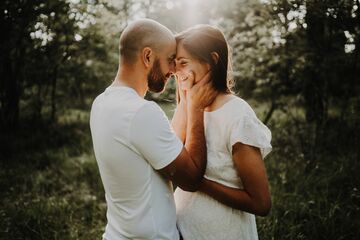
(156, 79)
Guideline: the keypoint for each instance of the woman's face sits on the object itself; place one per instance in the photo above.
(188, 69)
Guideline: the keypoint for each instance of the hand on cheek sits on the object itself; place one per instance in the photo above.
(186, 79)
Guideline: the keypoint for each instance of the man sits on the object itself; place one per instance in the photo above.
(137, 151)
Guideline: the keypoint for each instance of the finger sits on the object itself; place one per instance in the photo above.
(205, 79)
(209, 89)
(177, 79)
(206, 87)
(178, 90)
(177, 95)
(203, 87)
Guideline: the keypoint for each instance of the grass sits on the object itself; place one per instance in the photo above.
(51, 188)
(313, 198)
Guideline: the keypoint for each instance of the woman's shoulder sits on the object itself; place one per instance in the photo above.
(238, 106)
(233, 108)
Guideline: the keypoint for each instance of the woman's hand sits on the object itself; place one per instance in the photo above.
(183, 82)
(179, 120)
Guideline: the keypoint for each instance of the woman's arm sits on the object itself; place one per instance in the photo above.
(255, 197)
(179, 119)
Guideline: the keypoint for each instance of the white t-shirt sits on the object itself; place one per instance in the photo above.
(132, 137)
(199, 216)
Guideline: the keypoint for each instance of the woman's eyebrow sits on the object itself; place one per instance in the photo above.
(180, 58)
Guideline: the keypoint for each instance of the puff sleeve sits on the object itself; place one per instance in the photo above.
(249, 130)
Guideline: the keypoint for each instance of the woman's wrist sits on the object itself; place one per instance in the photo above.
(182, 105)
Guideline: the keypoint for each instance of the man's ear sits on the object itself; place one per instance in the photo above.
(215, 57)
(147, 56)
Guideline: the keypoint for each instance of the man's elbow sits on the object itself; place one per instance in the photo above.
(189, 188)
(192, 185)
(263, 207)
(195, 177)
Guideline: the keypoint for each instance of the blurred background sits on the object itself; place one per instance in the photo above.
(296, 62)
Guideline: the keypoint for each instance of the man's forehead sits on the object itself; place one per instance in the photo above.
(171, 50)
(168, 49)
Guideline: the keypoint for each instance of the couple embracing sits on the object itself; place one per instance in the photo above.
(212, 150)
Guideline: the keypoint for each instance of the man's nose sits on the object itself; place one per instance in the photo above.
(172, 67)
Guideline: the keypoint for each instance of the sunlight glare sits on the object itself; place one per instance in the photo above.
(191, 12)
(169, 5)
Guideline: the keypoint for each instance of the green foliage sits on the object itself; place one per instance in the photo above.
(310, 201)
(51, 187)
(296, 61)
(52, 50)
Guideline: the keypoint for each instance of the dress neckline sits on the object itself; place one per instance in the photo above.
(222, 106)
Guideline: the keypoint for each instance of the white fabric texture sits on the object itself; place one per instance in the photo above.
(132, 137)
(200, 216)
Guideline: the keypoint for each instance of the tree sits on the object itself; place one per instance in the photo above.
(43, 42)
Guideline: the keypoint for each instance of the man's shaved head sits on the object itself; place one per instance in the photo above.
(140, 34)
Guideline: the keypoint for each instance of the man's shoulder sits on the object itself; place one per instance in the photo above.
(151, 105)
(149, 110)
(119, 99)
(149, 116)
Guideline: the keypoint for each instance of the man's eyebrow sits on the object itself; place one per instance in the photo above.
(172, 57)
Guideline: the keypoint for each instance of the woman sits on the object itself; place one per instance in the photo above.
(235, 185)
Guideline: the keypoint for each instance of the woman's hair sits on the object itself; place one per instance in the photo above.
(201, 42)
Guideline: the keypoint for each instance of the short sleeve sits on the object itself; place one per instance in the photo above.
(251, 131)
(153, 137)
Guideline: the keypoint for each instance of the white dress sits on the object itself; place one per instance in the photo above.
(198, 215)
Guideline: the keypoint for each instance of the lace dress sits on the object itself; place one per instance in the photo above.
(202, 217)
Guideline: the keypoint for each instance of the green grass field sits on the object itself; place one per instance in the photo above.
(51, 188)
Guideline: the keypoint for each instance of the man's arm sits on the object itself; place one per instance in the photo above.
(187, 170)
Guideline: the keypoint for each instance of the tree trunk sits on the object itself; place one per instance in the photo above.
(10, 112)
(53, 94)
(315, 89)
(270, 112)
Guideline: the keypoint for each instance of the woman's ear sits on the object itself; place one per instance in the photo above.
(215, 57)
(147, 56)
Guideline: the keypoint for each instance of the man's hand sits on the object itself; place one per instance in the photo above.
(202, 94)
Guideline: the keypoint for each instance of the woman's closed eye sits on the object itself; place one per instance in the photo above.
(181, 62)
